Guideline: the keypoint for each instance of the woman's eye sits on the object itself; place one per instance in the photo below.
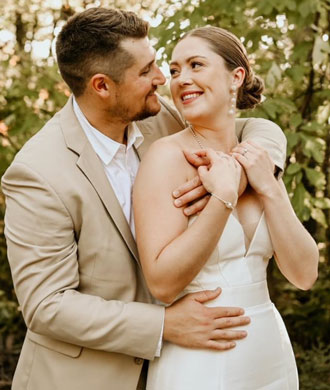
(195, 64)
(173, 72)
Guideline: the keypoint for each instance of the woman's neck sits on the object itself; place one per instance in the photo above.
(219, 136)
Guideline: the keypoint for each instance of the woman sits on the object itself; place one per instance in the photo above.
(230, 242)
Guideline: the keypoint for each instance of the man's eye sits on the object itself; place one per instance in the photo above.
(145, 72)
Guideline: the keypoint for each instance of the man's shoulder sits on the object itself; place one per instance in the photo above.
(260, 127)
(43, 142)
(265, 133)
(43, 151)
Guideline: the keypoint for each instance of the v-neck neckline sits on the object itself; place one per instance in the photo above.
(247, 249)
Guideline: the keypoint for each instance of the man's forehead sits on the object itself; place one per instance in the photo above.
(139, 47)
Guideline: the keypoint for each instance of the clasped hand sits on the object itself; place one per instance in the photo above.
(255, 168)
(221, 176)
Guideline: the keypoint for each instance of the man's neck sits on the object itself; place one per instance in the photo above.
(113, 128)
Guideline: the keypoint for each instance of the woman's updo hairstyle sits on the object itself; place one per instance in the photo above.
(230, 48)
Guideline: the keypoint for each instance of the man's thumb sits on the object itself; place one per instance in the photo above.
(206, 295)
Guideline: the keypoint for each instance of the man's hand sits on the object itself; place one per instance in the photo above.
(189, 323)
(192, 196)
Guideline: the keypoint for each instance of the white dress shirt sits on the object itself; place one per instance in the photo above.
(120, 161)
(120, 164)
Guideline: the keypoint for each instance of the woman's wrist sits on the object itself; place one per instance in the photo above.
(228, 204)
(271, 191)
(227, 197)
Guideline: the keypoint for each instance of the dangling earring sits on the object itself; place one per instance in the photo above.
(233, 91)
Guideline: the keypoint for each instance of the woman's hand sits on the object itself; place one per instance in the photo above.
(221, 176)
(258, 166)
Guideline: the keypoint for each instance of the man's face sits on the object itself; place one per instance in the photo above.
(135, 97)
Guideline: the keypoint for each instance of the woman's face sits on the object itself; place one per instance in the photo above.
(200, 82)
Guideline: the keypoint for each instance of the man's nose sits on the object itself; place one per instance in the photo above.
(160, 79)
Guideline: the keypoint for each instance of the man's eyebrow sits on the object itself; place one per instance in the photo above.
(148, 64)
(188, 59)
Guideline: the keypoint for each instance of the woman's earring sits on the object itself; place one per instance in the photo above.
(233, 91)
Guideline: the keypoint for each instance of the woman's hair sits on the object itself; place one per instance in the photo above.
(229, 47)
(90, 43)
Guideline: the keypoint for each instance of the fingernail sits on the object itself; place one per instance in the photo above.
(187, 211)
(232, 344)
(176, 194)
(244, 334)
(241, 312)
(177, 202)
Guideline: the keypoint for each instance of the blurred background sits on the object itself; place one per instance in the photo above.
(288, 43)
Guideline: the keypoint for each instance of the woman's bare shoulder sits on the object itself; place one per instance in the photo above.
(168, 148)
(165, 157)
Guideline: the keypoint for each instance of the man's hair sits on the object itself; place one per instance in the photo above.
(89, 43)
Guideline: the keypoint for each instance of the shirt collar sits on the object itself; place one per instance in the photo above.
(105, 147)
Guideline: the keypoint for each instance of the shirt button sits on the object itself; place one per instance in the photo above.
(138, 361)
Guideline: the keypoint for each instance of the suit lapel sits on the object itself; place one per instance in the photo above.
(93, 169)
(147, 128)
(148, 138)
(90, 165)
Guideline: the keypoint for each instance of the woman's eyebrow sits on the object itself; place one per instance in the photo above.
(188, 59)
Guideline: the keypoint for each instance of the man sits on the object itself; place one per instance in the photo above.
(69, 227)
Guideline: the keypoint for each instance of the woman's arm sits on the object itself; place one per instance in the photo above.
(171, 252)
(296, 252)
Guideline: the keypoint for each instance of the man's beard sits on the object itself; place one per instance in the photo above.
(144, 114)
(122, 111)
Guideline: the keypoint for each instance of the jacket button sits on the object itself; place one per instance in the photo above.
(138, 360)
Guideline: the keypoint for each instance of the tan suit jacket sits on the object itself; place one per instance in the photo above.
(74, 261)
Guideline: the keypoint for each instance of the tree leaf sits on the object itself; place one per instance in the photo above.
(315, 178)
(292, 139)
(321, 50)
(298, 200)
(270, 108)
(294, 168)
(322, 203)
(319, 216)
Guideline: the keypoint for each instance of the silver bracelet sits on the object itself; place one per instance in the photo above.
(229, 205)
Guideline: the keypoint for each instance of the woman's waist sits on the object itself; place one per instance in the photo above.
(241, 296)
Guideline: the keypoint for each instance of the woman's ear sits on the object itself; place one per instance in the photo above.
(238, 75)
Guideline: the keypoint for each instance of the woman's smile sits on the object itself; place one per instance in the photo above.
(190, 96)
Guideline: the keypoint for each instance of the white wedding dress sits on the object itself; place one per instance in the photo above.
(264, 359)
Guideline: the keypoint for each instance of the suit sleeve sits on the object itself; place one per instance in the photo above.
(267, 134)
(42, 252)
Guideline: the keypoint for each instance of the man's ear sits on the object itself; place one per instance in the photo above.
(102, 85)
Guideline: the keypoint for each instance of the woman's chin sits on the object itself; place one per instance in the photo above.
(193, 118)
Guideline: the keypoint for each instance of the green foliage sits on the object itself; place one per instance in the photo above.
(286, 41)
(313, 366)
